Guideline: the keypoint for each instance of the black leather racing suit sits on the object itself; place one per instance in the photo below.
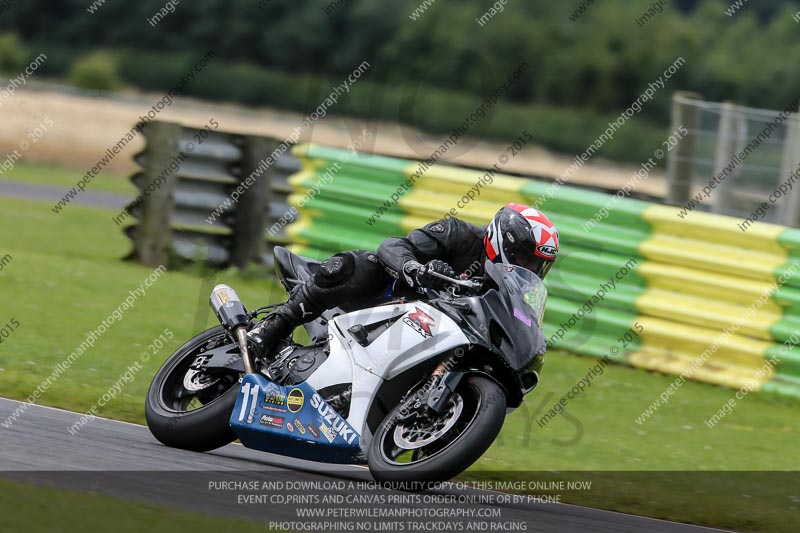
(457, 243)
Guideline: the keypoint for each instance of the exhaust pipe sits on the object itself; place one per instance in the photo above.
(233, 316)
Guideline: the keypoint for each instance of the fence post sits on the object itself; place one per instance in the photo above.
(732, 128)
(153, 241)
(252, 211)
(680, 161)
(789, 205)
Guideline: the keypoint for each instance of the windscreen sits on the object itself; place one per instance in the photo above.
(521, 284)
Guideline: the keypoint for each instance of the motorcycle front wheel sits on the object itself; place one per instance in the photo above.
(440, 449)
(187, 408)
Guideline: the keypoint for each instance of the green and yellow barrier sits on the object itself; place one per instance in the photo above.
(704, 299)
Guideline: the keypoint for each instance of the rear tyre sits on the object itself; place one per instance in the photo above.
(447, 446)
(188, 409)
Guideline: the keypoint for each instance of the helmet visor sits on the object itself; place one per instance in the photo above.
(528, 260)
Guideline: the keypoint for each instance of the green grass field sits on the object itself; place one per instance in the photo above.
(66, 276)
(66, 178)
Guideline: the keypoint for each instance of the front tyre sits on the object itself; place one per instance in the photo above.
(443, 448)
(186, 408)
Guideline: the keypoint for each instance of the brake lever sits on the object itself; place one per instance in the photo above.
(465, 283)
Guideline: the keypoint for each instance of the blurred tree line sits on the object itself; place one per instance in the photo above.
(433, 71)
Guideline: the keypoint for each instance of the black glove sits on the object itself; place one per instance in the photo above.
(419, 276)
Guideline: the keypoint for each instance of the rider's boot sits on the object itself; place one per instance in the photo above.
(279, 324)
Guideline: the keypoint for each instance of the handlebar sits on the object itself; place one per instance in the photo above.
(466, 283)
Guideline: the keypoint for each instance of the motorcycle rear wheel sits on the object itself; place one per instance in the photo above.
(446, 447)
(187, 409)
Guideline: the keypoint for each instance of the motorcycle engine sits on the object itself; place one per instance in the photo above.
(299, 365)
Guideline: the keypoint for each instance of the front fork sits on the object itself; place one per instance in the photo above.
(438, 397)
(433, 402)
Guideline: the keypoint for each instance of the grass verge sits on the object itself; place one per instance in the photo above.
(66, 178)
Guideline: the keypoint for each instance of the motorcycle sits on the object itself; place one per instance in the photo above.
(417, 390)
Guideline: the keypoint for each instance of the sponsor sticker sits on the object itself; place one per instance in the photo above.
(271, 421)
(313, 430)
(522, 317)
(289, 427)
(274, 397)
(328, 432)
(295, 400)
(300, 427)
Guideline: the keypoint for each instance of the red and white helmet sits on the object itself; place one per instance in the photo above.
(523, 236)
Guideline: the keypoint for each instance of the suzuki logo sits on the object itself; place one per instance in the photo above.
(331, 417)
(421, 322)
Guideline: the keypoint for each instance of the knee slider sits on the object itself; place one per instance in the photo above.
(347, 280)
(335, 270)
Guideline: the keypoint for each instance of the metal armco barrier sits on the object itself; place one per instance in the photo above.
(694, 297)
(185, 208)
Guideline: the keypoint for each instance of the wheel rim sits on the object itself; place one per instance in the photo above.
(417, 434)
(401, 446)
(186, 389)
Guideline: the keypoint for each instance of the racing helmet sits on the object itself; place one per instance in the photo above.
(523, 236)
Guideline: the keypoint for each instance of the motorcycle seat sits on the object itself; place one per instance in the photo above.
(293, 269)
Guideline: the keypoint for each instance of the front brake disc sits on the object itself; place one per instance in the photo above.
(417, 434)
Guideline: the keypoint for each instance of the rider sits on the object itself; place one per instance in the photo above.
(518, 235)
